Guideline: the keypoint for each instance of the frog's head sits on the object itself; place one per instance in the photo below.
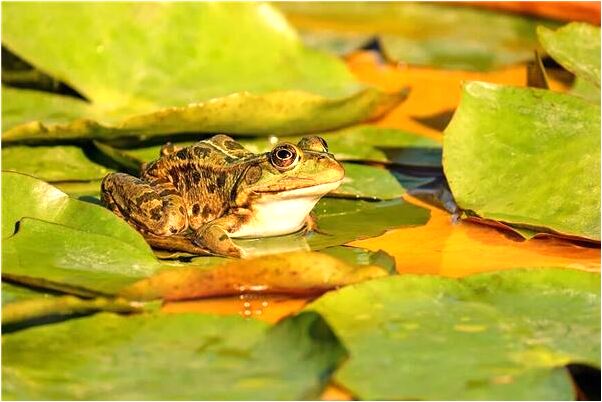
(288, 171)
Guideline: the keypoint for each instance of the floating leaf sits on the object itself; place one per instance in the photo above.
(12, 293)
(297, 273)
(66, 244)
(58, 163)
(361, 256)
(267, 83)
(526, 157)
(44, 310)
(27, 196)
(362, 181)
(424, 34)
(586, 90)
(576, 47)
(60, 257)
(491, 336)
(342, 221)
(218, 358)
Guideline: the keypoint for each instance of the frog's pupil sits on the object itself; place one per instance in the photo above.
(284, 154)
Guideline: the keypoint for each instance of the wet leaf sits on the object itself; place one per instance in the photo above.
(342, 221)
(576, 47)
(361, 256)
(12, 293)
(423, 34)
(58, 163)
(492, 336)
(371, 182)
(26, 196)
(266, 82)
(219, 358)
(586, 90)
(60, 257)
(37, 311)
(526, 157)
(296, 273)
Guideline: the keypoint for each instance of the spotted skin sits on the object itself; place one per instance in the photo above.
(207, 191)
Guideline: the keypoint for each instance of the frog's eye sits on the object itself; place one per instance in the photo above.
(284, 156)
(313, 143)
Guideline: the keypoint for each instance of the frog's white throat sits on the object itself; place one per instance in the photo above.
(284, 212)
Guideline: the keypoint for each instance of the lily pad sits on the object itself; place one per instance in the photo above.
(60, 257)
(342, 221)
(58, 163)
(45, 310)
(297, 273)
(218, 358)
(576, 46)
(493, 336)
(26, 196)
(181, 79)
(361, 256)
(368, 182)
(12, 293)
(526, 157)
(436, 35)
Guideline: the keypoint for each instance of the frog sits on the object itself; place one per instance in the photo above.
(216, 191)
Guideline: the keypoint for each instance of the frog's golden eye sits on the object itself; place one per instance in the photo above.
(284, 156)
(313, 143)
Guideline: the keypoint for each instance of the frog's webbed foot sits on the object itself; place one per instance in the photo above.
(214, 236)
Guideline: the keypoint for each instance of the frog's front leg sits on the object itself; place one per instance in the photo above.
(153, 206)
(215, 235)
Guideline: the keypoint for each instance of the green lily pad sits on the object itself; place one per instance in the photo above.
(44, 310)
(58, 163)
(12, 293)
(526, 157)
(371, 182)
(155, 69)
(576, 46)
(586, 90)
(499, 336)
(296, 273)
(436, 35)
(26, 196)
(60, 257)
(81, 190)
(342, 221)
(218, 358)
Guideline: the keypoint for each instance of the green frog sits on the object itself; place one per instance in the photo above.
(216, 190)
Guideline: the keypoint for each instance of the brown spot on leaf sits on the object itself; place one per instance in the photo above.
(196, 209)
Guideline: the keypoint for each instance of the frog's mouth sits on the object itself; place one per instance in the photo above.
(317, 190)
